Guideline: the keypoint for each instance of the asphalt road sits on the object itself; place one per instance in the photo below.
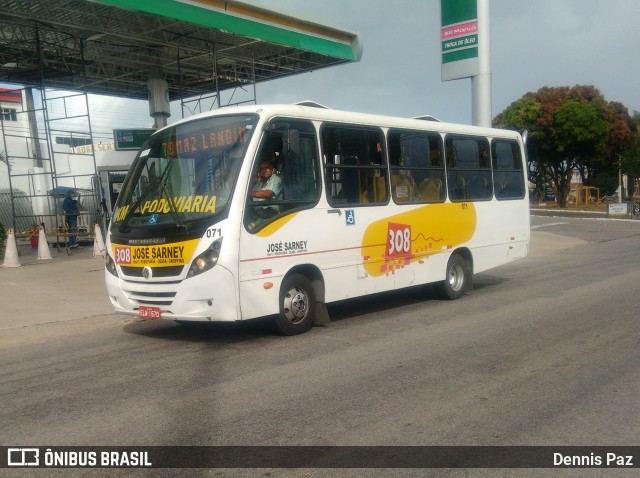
(544, 351)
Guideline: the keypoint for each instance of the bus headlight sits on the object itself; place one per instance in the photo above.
(110, 265)
(206, 260)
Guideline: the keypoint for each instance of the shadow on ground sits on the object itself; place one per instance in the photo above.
(235, 332)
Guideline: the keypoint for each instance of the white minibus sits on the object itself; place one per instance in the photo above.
(348, 204)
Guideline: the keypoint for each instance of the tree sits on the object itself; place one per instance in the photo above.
(630, 157)
(570, 129)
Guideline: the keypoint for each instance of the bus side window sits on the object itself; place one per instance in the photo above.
(468, 169)
(417, 173)
(355, 166)
(507, 170)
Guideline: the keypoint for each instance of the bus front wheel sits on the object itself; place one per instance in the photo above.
(297, 305)
(457, 277)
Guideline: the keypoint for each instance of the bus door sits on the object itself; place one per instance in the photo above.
(284, 229)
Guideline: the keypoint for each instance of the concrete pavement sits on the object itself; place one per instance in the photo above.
(66, 287)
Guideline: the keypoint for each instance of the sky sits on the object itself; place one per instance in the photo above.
(534, 43)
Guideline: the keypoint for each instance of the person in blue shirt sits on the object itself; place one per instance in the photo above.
(70, 207)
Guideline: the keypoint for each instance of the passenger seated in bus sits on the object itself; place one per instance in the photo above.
(267, 187)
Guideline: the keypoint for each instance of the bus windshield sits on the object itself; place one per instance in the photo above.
(184, 173)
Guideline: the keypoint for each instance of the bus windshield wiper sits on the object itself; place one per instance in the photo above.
(152, 186)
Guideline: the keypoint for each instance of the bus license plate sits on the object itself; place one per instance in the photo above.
(149, 312)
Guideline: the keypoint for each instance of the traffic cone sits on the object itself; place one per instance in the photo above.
(11, 252)
(98, 243)
(43, 245)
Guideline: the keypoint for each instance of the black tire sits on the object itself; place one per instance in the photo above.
(297, 305)
(457, 278)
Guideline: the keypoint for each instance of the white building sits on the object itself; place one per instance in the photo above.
(43, 151)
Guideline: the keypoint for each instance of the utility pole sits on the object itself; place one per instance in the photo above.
(481, 83)
(466, 51)
(619, 180)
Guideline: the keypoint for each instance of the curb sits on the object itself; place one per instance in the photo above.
(581, 214)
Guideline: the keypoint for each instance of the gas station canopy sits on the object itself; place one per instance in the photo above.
(114, 47)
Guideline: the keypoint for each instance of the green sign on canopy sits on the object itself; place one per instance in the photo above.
(130, 139)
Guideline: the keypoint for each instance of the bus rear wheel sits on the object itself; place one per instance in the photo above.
(297, 305)
(457, 278)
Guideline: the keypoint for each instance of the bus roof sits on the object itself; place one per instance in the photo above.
(309, 110)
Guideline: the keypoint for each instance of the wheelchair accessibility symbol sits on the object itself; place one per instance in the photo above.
(350, 217)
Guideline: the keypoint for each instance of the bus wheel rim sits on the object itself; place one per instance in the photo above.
(296, 305)
(456, 277)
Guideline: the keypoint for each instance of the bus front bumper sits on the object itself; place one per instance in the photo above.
(210, 296)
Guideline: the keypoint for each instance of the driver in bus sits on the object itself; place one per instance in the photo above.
(267, 187)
